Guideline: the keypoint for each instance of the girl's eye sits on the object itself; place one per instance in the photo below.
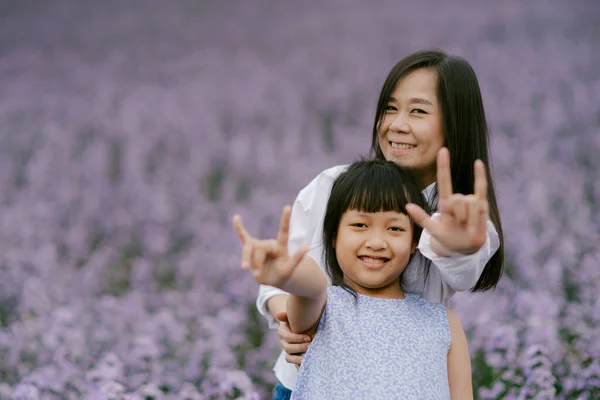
(418, 111)
(359, 225)
(396, 229)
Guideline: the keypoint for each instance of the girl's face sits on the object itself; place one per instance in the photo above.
(373, 249)
(410, 130)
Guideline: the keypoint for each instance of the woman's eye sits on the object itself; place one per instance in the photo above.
(390, 108)
(418, 111)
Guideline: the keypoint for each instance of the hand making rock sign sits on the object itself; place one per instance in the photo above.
(268, 260)
(461, 225)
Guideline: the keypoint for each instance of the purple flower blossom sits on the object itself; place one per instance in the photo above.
(130, 135)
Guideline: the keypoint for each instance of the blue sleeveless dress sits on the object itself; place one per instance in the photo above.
(377, 349)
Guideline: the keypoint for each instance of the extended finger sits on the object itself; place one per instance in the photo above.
(238, 225)
(420, 217)
(481, 230)
(473, 211)
(297, 257)
(444, 177)
(481, 183)
(284, 226)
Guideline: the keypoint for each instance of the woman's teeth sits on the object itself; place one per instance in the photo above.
(402, 146)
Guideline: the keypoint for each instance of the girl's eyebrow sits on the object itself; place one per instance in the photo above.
(402, 218)
(398, 219)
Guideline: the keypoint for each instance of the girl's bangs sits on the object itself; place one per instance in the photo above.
(375, 195)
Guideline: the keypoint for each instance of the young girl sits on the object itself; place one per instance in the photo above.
(373, 339)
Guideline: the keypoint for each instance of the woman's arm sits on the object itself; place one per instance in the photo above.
(459, 239)
(460, 271)
(459, 361)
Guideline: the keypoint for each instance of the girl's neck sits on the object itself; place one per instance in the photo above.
(391, 291)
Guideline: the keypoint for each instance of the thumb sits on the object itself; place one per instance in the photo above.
(298, 256)
(281, 316)
(419, 215)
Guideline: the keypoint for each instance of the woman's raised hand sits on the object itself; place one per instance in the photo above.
(269, 260)
(462, 223)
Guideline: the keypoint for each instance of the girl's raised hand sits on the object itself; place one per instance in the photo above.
(462, 223)
(269, 260)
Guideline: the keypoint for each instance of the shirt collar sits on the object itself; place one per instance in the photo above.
(429, 192)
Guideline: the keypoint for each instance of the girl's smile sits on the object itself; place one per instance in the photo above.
(374, 262)
(373, 250)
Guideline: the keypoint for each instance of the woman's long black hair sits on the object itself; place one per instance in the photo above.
(465, 134)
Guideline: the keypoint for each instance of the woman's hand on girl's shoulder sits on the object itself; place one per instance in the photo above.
(462, 222)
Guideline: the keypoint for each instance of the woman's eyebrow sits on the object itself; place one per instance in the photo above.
(419, 100)
(412, 100)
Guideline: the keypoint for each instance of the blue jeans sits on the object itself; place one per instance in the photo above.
(280, 392)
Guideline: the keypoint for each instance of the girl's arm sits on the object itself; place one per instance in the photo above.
(459, 361)
(272, 300)
(308, 295)
(270, 264)
(307, 213)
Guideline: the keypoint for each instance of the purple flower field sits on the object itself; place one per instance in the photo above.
(130, 133)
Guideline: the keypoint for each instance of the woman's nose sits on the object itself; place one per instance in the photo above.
(399, 124)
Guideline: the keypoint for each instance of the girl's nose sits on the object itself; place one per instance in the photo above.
(375, 242)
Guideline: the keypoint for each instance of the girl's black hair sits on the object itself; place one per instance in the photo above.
(367, 186)
(465, 134)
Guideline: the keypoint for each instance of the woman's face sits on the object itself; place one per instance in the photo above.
(410, 130)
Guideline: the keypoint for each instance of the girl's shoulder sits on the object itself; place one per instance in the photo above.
(426, 305)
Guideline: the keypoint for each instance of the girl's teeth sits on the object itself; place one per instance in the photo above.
(373, 260)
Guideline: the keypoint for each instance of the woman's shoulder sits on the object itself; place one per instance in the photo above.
(320, 186)
(328, 175)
